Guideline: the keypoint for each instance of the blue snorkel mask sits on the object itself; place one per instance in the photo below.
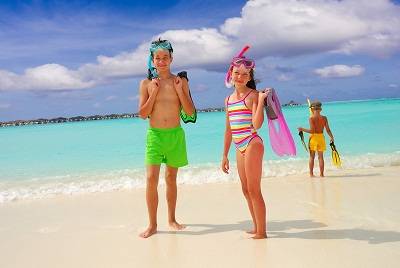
(156, 45)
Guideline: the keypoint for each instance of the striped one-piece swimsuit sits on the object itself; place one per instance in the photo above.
(241, 123)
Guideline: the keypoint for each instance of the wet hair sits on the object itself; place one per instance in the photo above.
(252, 83)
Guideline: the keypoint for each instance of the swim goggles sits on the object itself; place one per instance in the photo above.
(236, 62)
(247, 63)
(161, 44)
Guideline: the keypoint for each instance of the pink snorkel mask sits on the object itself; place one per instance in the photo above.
(236, 62)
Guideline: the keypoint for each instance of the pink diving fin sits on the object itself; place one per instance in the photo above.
(281, 139)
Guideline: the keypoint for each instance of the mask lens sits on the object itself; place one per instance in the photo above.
(248, 63)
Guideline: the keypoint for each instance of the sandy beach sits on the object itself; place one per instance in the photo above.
(349, 219)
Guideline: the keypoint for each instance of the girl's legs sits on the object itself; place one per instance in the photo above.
(243, 180)
(311, 163)
(321, 163)
(153, 171)
(253, 167)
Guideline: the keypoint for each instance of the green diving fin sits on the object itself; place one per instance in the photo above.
(335, 155)
(185, 117)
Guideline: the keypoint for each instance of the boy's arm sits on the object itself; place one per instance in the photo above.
(182, 89)
(328, 130)
(258, 110)
(227, 142)
(146, 101)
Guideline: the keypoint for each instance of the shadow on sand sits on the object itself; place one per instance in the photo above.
(277, 229)
(245, 226)
(354, 175)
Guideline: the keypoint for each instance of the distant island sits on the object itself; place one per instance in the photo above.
(42, 121)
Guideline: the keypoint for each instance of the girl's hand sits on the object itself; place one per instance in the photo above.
(300, 129)
(225, 165)
(154, 86)
(263, 94)
(178, 84)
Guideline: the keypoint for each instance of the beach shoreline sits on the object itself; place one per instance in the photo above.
(347, 219)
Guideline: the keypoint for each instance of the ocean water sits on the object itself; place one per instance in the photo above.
(73, 158)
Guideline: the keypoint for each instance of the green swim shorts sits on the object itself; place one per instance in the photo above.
(166, 146)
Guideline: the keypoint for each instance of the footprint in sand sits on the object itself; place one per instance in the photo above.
(48, 230)
(120, 226)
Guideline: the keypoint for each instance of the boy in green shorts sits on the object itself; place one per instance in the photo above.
(162, 95)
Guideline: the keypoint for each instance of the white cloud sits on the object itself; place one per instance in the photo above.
(200, 88)
(284, 77)
(110, 98)
(272, 27)
(48, 76)
(393, 85)
(291, 27)
(339, 71)
(5, 105)
(134, 98)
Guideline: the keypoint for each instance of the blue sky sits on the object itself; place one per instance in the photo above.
(68, 58)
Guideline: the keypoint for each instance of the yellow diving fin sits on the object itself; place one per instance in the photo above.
(335, 155)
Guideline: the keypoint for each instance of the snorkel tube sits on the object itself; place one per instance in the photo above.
(229, 72)
(152, 71)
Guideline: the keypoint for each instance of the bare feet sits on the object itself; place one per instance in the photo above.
(251, 232)
(176, 226)
(260, 236)
(321, 175)
(312, 176)
(149, 232)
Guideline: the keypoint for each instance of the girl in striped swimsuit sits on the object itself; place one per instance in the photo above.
(244, 115)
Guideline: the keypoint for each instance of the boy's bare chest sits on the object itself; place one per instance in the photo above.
(167, 92)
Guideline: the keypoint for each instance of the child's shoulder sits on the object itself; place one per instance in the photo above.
(145, 81)
(254, 94)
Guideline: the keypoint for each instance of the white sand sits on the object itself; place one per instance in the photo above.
(348, 219)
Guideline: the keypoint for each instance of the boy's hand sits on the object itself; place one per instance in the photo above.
(154, 86)
(225, 165)
(300, 129)
(178, 84)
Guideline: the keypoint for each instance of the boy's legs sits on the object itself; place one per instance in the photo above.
(311, 163)
(243, 180)
(153, 172)
(253, 167)
(321, 163)
(170, 180)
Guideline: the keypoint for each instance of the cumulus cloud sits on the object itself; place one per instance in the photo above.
(97, 105)
(134, 98)
(277, 27)
(5, 105)
(110, 98)
(340, 71)
(284, 77)
(272, 27)
(48, 76)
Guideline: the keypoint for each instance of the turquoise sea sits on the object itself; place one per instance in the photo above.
(45, 160)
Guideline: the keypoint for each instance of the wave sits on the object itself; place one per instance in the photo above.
(116, 180)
